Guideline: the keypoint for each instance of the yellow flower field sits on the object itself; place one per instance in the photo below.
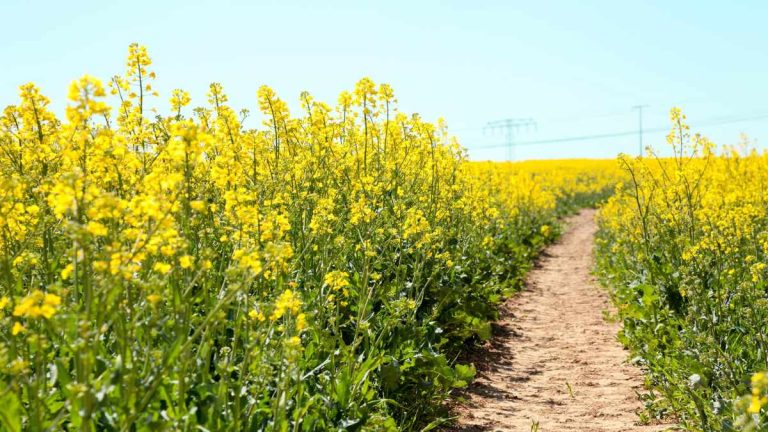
(181, 271)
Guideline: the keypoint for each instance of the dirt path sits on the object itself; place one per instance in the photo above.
(553, 335)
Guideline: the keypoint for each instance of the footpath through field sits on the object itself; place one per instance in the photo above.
(555, 364)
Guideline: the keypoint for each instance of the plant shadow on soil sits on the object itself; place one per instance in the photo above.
(489, 357)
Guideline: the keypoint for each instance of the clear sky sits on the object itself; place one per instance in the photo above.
(576, 67)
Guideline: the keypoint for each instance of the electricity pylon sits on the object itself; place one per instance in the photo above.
(509, 128)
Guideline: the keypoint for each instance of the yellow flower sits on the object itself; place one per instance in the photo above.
(96, 228)
(17, 328)
(250, 261)
(154, 299)
(197, 205)
(257, 315)
(47, 311)
(179, 99)
(301, 322)
(186, 261)
(37, 304)
(287, 302)
(294, 342)
(100, 266)
(754, 405)
(336, 280)
(52, 299)
(162, 268)
(66, 272)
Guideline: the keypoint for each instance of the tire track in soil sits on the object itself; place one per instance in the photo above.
(552, 335)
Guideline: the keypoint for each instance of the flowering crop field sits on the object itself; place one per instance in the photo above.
(180, 271)
(684, 244)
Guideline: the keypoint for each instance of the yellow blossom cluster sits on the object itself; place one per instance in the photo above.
(286, 302)
(37, 304)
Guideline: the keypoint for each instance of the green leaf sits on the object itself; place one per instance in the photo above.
(484, 331)
(10, 414)
(390, 376)
(465, 372)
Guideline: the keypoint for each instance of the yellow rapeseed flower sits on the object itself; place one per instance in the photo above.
(186, 261)
(286, 302)
(162, 268)
(257, 315)
(17, 328)
(154, 299)
(37, 304)
(301, 322)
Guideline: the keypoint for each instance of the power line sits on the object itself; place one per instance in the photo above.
(550, 120)
(639, 109)
(624, 133)
(593, 116)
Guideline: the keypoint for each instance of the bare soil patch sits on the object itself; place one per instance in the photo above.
(554, 360)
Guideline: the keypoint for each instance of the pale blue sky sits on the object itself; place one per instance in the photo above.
(577, 67)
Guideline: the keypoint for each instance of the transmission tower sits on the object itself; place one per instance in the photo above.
(509, 127)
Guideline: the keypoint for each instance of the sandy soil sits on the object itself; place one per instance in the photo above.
(553, 335)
